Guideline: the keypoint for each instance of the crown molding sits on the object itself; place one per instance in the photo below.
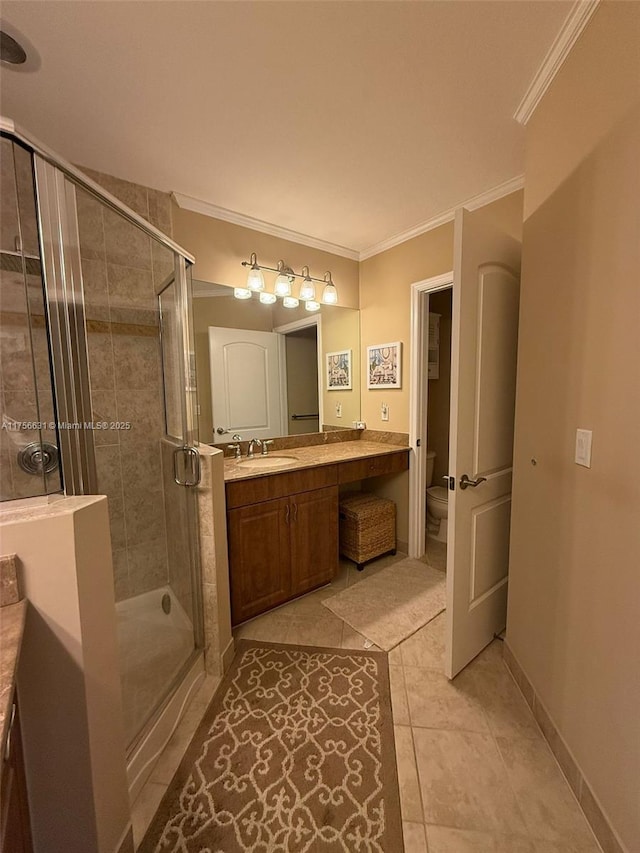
(473, 203)
(574, 24)
(208, 209)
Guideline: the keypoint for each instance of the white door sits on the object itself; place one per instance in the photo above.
(246, 383)
(486, 291)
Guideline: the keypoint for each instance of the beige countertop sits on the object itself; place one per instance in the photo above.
(309, 457)
(12, 619)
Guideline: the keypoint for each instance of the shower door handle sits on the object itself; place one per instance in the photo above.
(190, 466)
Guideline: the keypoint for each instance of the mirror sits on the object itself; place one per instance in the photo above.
(266, 371)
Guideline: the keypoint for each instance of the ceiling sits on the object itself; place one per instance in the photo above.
(347, 121)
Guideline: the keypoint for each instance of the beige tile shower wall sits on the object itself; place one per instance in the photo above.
(440, 389)
(574, 584)
(121, 268)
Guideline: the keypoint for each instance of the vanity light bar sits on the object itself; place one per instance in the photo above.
(255, 283)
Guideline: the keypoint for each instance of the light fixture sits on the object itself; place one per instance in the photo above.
(329, 294)
(307, 288)
(242, 293)
(312, 305)
(282, 286)
(255, 279)
(290, 302)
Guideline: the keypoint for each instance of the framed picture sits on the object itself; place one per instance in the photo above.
(339, 370)
(384, 365)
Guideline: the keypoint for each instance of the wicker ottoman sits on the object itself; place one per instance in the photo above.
(367, 527)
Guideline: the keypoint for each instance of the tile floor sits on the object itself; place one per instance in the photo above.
(475, 773)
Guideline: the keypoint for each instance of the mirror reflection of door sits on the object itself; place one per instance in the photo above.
(302, 381)
(246, 379)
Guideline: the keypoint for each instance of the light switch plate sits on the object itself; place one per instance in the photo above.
(338, 410)
(384, 412)
(583, 447)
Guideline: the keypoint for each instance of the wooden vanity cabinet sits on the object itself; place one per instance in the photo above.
(15, 828)
(282, 548)
(283, 530)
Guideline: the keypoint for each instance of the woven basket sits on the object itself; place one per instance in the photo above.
(367, 526)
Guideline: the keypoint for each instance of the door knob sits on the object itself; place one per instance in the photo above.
(465, 481)
(221, 430)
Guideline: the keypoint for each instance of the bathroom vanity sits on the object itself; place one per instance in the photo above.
(282, 518)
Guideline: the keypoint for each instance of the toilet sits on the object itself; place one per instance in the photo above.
(437, 503)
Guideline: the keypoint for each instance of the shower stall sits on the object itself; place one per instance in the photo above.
(98, 396)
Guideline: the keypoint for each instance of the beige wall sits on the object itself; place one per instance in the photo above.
(302, 381)
(385, 313)
(440, 389)
(574, 590)
(385, 301)
(341, 331)
(220, 247)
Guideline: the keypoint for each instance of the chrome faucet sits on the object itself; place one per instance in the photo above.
(251, 445)
(265, 445)
(236, 447)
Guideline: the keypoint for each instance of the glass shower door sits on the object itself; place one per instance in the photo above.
(136, 305)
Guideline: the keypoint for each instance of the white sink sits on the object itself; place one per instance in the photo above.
(270, 461)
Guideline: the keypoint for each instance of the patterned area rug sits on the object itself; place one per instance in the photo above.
(295, 753)
(392, 604)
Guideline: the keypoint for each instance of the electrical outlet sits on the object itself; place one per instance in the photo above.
(583, 447)
(384, 412)
(338, 410)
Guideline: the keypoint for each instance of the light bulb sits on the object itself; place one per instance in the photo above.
(242, 293)
(255, 279)
(312, 305)
(307, 290)
(330, 294)
(267, 298)
(283, 285)
(290, 302)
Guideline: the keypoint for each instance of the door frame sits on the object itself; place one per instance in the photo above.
(305, 323)
(418, 406)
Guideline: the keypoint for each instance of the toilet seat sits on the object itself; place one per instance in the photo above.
(438, 493)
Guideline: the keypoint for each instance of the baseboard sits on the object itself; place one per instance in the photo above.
(594, 813)
(403, 547)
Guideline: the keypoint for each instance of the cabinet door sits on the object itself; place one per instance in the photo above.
(258, 558)
(314, 539)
